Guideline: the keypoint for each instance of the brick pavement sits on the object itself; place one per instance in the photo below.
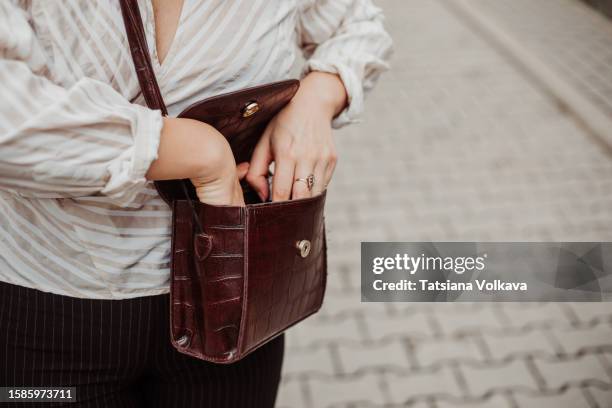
(457, 145)
(575, 41)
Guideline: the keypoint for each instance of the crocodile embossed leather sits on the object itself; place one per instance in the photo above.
(240, 275)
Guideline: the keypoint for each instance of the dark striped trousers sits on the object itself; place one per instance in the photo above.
(118, 354)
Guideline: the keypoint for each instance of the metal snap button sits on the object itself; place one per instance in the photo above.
(303, 247)
(183, 341)
(250, 109)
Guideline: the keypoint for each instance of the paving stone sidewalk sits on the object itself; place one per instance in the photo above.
(458, 144)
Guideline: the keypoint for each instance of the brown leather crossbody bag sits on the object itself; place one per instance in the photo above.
(240, 275)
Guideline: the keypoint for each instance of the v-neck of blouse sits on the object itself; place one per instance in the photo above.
(161, 67)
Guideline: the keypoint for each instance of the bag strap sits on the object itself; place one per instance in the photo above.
(140, 55)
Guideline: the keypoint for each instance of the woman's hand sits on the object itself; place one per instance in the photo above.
(197, 151)
(299, 141)
(222, 189)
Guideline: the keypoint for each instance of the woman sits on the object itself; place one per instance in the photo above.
(84, 237)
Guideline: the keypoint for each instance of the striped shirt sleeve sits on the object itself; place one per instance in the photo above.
(81, 140)
(345, 37)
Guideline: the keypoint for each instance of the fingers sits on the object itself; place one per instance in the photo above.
(329, 170)
(303, 170)
(257, 175)
(242, 170)
(322, 171)
(319, 178)
(282, 181)
(300, 151)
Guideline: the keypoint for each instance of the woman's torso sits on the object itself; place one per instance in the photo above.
(87, 247)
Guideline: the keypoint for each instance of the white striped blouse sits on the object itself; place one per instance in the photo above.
(77, 216)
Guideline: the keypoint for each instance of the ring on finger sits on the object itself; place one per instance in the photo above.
(309, 181)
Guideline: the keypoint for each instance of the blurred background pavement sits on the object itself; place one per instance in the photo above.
(494, 124)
